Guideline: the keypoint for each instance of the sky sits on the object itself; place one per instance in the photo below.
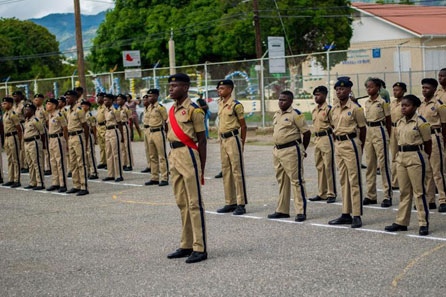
(26, 9)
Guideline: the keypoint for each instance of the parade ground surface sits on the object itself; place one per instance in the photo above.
(114, 242)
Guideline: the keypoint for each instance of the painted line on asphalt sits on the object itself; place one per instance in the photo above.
(329, 226)
(376, 231)
(30, 190)
(115, 183)
(285, 221)
(426, 237)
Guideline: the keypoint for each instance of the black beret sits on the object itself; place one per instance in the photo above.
(153, 91)
(344, 78)
(181, 77)
(111, 96)
(401, 85)
(122, 96)
(86, 103)
(32, 106)
(100, 94)
(54, 101)
(414, 99)
(63, 99)
(18, 93)
(129, 96)
(430, 81)
(39, 96)
(70, 92)
(320, 89)
(225, 82)
(343, 81)
(8, 99)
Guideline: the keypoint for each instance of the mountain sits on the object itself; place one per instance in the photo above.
(62, 25)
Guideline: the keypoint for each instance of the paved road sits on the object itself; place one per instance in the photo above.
(114, 242)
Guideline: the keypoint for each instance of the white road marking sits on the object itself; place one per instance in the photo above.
(376, 231)
(329, 226)
(427, 237)
(285, 221)
(114, 183)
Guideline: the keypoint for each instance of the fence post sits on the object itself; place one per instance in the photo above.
(357, 84)
(328, 75)
(206, 79)
(399, 62)
(410, 80)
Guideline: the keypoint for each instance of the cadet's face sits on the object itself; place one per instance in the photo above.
(38, 101)
(50, 106)
(71, 99)
(178, 90)
(100, 99)
(16, 98)
(428, 91)
(146, 101)
(120, 101)
(372, 89)
(398, 92)
(342, 92)
(85, 107)
(28, 112)
(61, 104)
(407, 107)
(442, 78)
(108, 102)
(285, 102)
(6, 105)
(224, 91)
(320, 97)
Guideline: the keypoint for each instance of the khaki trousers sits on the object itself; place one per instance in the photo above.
(12, 150)
(46, 153)
(127, 155)
(147, 146)
(232, 168)
(325, 164)
(393, 152)
(186, 174)
(100, 130)
(437, 177)
(158, 156)
(58, 147)
(1, 161)
(23, 161)
(91, 155)
(348, 160)
(113, 151)
(411, 169)
(288, 163)
(34, 153)
(377, 152)
(78, 160)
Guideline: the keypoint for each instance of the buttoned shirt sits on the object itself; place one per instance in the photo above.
(19, 110)
(125, 114)
(91, 120)
(395, 111)
(288, 125)
(156, 115)
(433, 111)
(76, 118)
(376, 110)
(440, 94)
(229, 115)
(42, 115)
(347, 119)
(414, 131)
(100, 117)
(112, 116)
(33, 127)
(190, 119)
(321, 118)
(10, 121)
(56, 122)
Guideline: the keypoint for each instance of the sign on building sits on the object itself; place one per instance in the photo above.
(276, 49)
(133, 73)
(131, 58)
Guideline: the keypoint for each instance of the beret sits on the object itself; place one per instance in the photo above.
(122, 96)
(63, 99)
(86, 103)
(225, 82)
(153, 91)
(54, 101)
(70, 92)
(100, 94)
(414, 99)
(8, 99)
(179, 77)
(19, 93)
(401, 85)
(111, 96)
(430, 81)
(320, 89)
(32, 106)
(343, 81)
(39, 96)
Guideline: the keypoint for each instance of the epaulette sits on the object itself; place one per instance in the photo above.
(329, 109)
(195, 105)
(422, 118)
(37, 119)
(237, 102)
(79, 107)
(359, 105)
(90, 114)
(60, 114)
(386, 100)
(160, 105)
(297, 111)
(13, 112)
(439, 101)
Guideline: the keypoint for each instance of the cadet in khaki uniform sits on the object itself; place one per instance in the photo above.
(42, 115)
(399, 89)
(18, 107)
(186, 129)
(34, 136)
(113, 140)
(2, 140)
(58, 137)
(145, 119)
(324, 147)
(348, 118)
(231, 122)
(77, 142)
(101, 130)
(13, 138)
(92, 139)
(434, 111)
(440, 94)
(64, 110)
(126, 116)
(413, 132)
(157, 117)
(289, 153)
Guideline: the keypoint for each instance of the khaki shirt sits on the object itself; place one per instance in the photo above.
(42, 115)
(19, 110)
(288, 125)
(33, 127)
(56, 122)
(376, 110)
(157, 115)
(64, 111)
(415, 131)
(321, 118)
(433, 111)
(190, 118)
(10, 121)
(76, 117)
(112, 116)
(347, 119)
(440, 94)
(126, 114)
(229, 115)
(395, 111)
(100, 117)
(91, 120)
(146, 116)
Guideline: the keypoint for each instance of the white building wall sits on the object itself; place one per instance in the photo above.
(366, 29)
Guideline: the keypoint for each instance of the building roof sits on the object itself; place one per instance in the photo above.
(421, 21)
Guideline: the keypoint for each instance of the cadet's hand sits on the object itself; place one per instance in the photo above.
(122, 140)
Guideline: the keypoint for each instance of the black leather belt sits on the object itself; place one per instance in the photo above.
(22, 121)
(435, 130)
(74, 133)
(393, 124)
(346, 137)
(11, 134)
(375, 124)
(229, 134)
(288, 144)
(112, 127)
(55, 135)
(29, 139)
(156, 129)
(409, 148)
(323, 133)
(146, 126)
(101, 123)
(176, 144)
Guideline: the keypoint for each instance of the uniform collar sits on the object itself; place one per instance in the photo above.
(348, 104)
(375, 100)
(230, 100)
(186, 103)
(290, 109)
(323, 106)
(413, 118)
(430, 100)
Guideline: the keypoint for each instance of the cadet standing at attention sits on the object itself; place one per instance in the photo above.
(18, 107)
(289, 153)
(157, 140)
(126, 116)
(396, 114)
(186, 129)
(113, 140)
(145, 119)
(2, 141)
(232, 123)
(348, 118)
(63, 108)
(77, 142)
(34, 136)
(440, 94)
(324, 150)
(434, 111)
(379, 126)
(92, 139)
(100, 131)
(13, 138)
(58, 137)
(414, 133)
(42, 115)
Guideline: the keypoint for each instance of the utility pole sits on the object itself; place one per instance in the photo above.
(172, 53)
(257, 27)
(79, 46)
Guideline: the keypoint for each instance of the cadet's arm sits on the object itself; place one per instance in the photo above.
(43, 139)
(243, 129)
(2, 133)
(201, 136)
(65, 133)
(166, 127)
(389, 124)
(428, 147)
(86, 132)
(122, 131)
(137, 127)
(95, 134)
(307, 137)
(443, 131)
(19, 132)
(362, 135)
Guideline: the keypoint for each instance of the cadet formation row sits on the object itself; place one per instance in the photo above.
(413, 129)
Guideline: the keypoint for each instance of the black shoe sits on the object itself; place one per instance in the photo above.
(432, 205)
(52, 188)
(29, 187)
(363, 166)
(163, 183)
(278, 215)
(39, 188)
(300, 218)
(62, 190)
(108, 178)
(378, 171)
(102, 166)
(424, 230)
(24, 170)
(220, 175)
(316, 198)
(395, 188)
(119, 179)
(72, 191)
(94, 176)
(240, 210)
(227, 208)
(344, 219)
(356, 223)
(1, 180)
(69, 174)
(16, 185)
(442, 207)
(147, 170)
(331, 199)
(82, 193)
(197, 257)
(151, 183)
(395, 227)
(8, 184)
(47, 172)
(180, 253)
(127, 168)
(368, 201)
(386, 203)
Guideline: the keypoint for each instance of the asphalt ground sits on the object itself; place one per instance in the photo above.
(114, 242)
